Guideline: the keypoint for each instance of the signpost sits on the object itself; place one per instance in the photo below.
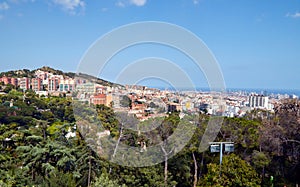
(214, 148)
(229, 147)
(217, 147)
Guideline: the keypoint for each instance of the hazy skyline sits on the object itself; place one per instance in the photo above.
(255, 42)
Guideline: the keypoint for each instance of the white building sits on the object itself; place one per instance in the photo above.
(259, 101)
(66, 85)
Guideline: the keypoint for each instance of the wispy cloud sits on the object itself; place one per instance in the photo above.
(72, 6)
(196, 2)
(138, 2)
(4, 6)
(295, 15)
(120, 4)
(124, 3)
(104, 9)
(1, 17)
(21, 1)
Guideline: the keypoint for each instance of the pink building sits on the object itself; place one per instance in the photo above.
(53, 84)
(14, 81)
(36, 84)
(9, 80)
(6, 80)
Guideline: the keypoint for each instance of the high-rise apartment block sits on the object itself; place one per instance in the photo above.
(66, 85)
(36, 84)
(258, 101)
(53, 84)
(24, 83)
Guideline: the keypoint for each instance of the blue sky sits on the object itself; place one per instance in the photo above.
(256, 42)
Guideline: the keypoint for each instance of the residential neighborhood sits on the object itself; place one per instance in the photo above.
(142, 101)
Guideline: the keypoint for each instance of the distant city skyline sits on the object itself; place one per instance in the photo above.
(256, 43)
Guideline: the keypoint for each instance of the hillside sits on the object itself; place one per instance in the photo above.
(31, 74)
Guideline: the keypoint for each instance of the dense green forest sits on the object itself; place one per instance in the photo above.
(36, 151)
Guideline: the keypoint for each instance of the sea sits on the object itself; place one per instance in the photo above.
(262, 91)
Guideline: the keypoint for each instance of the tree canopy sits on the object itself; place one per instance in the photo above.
(41, 145)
